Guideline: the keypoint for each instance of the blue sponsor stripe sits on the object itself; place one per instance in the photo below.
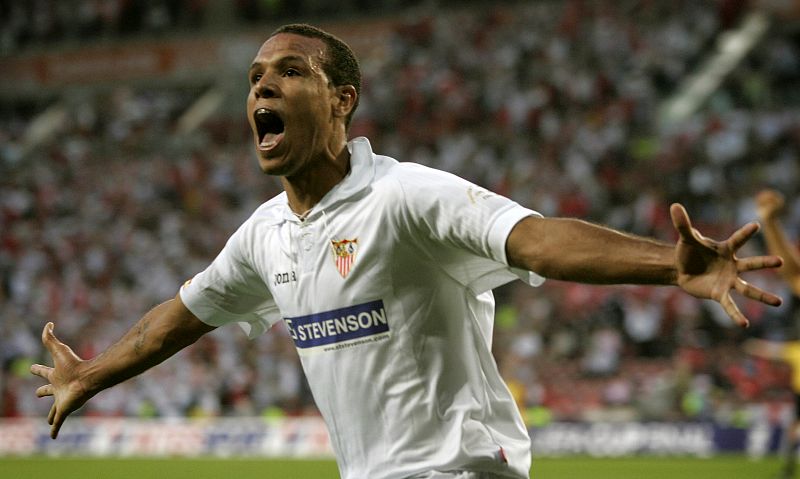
(338, 325)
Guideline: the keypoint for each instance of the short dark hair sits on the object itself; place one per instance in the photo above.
(340, 63)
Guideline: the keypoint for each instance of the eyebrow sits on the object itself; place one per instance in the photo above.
(282, 61)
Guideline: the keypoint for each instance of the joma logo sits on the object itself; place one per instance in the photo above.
(283, 278)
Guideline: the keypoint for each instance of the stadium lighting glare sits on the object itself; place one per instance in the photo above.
(732, 47)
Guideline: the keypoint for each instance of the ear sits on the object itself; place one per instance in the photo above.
(344, 100)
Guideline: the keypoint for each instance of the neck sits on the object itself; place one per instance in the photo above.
(306, 188)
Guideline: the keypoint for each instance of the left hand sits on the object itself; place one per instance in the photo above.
(66, 383)
(710, 269)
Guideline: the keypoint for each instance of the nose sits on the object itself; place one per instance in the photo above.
(266, 89)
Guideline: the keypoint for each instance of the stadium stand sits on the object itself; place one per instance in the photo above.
(107, 204)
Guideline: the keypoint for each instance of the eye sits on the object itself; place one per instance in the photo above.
(291, 72)
(255, 78)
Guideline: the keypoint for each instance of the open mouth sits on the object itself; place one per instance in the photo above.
(269, 126)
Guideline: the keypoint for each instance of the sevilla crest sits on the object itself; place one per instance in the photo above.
(344, 254)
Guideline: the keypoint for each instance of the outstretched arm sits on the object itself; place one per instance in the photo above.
(769, 204)
(162, 332)
(574, 250)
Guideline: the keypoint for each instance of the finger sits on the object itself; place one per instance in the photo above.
(41, 371)
(743, 235)
(682, 223)
(46, 390)
(680, 220)
(758, 262)
(58, 350)
(733, 311)
(57, 422)
(48, 338)
(52, 414)
(47, 331)
(753, 292)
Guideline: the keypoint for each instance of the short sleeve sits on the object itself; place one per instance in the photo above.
(466, 226)
(230, 290)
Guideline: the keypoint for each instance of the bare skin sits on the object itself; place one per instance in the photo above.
(309, 155)
(162, 332)
(770, 205)
(573, 250)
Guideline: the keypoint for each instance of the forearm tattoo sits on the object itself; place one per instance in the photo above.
(141, 332)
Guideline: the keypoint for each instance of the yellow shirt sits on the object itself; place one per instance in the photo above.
(791, 354)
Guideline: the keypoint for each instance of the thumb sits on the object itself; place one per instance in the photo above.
(49, 338)
(681, 221)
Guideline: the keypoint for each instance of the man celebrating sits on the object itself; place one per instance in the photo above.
(383, 273)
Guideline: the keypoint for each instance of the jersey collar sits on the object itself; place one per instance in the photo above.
(361, 175)
(362, 172)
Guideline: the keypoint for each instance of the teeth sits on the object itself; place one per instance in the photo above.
(261, 111)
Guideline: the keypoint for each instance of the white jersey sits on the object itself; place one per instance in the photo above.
(386, 290)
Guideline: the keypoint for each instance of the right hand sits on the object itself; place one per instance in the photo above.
(769, 204)
(64, 380)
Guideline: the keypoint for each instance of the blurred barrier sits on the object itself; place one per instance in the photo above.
(186, 60)
(263, 437)
(307, 437)
(658, 438)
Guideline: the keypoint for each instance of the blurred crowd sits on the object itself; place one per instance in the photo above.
(555, 104)
(49, 23)
(43, 23)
